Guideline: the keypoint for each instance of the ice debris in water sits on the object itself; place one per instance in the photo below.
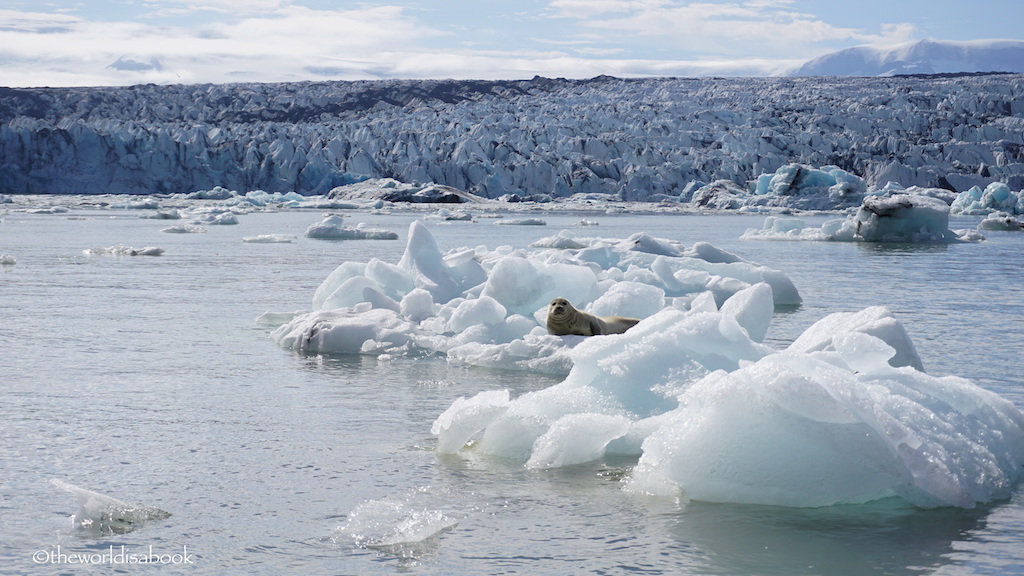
(332, 228)
(7, 260)
(394, 521)
(105, 514)
(270, 239)
(122, 250)
(488, 307)
(844, 415)
(914, 218)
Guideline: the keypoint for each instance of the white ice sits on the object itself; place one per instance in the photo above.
(122, 250)
(270, 239)
(332, 227)
(7, 260)
(487, 308)
(911, 217)
(845, 414)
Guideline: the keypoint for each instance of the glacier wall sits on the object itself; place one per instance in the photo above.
(635, 138)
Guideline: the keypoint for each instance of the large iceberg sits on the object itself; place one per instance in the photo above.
(487, 307)
(844, 415)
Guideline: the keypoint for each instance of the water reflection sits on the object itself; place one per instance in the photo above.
(886, 537)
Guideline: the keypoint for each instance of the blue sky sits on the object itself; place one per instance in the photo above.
(122, 42)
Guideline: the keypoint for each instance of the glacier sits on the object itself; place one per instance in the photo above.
(631, 139)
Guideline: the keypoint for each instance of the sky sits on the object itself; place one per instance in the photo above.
(125, 42)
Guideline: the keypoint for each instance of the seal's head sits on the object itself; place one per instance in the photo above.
(559, 308)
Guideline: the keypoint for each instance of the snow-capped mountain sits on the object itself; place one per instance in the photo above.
(921, 57)
(636, 139)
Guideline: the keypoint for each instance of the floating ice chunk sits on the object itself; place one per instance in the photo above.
(270, 239)
(798, 430)
(521, 222)
(633, 375)
(168, 214)
(48, 210)
(332, 228)
(875, 321)
(393, 522)
(105, 514)
(184, 229)
(218, 219)
(903, 218)
(122, 250)
(7, 260)
(1001, 221)
(345, 331)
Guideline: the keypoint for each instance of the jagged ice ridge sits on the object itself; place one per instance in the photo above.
(637, 139)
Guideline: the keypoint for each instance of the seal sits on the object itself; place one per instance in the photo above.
(564, 319)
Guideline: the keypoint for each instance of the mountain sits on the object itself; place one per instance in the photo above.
(921, 57)
(638, 139)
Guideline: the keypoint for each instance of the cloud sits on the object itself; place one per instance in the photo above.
(174, 41)
(767, 27)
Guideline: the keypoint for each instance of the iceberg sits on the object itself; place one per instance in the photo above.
(898, 217)
(332, 228)
(488, 307)
(122, 250)
(844, 415)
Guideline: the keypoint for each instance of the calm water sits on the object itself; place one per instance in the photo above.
(146, 379)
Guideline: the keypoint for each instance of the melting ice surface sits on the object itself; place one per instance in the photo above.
(105, 514)
(845, 414)
(393, 523)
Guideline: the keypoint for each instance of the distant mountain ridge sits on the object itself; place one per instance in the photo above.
(921, 57)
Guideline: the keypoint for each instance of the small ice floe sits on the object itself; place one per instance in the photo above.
(522, 222)
(7, 260)
(122, 250)
(107, 515)
(48, 210)
(141, 204)
(450, 215)
(218, 219)
(270, 239)
(184, 229)
(586, 222)
(399, 524)
(900, 218)
(1001, 221)
(169, 214)
(332, 228)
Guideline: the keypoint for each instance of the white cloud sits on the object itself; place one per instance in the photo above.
(285, 40)
(767, 27)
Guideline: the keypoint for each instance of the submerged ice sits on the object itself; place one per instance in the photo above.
(105, 514)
